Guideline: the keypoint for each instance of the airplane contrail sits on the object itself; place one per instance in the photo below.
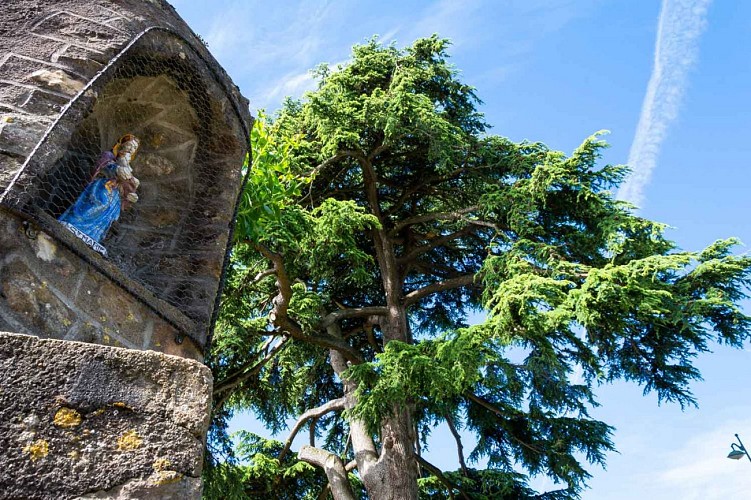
(680, 25)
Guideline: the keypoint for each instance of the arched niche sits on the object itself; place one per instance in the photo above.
(170, 247)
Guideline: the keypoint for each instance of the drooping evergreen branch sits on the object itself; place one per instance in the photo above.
(443, 479)
(247, 371)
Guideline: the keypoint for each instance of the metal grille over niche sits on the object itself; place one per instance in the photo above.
(140, 175)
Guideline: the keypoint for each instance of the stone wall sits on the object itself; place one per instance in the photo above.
(48, 291)
(87, 408)
(88, 421)
(75, 75)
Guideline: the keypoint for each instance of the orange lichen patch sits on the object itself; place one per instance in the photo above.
(67, 418)
(161, 464)
(129, 441)
(38, 449)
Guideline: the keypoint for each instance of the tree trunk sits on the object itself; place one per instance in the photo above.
(398, 455)
(397, 432)
(392, 474)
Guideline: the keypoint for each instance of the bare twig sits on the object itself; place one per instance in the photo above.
(458, 439)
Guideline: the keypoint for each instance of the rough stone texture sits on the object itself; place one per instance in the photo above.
(87, 421)
(61, 101)
(46, 290)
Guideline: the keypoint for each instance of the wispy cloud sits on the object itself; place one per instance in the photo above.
(292, 84)
(269, 49)
(272, 48)
(699, 470)
(680, 25)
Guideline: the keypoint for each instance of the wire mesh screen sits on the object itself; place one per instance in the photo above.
(142, 172)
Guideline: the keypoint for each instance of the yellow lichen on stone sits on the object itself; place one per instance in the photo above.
(166, 477)
(73, 455)
(129, 441)
(120, 404)
(38, 449)
(161, 464)
(98, 412)
(67, 418)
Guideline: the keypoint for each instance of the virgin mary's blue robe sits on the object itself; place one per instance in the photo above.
(99, 205)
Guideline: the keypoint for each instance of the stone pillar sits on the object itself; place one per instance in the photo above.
(89, 421)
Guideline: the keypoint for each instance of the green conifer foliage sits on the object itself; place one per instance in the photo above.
(378, 216)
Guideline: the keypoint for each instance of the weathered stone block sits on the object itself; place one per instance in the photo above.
(19, 135)
(82, 420)
(32, 299)
(58, 80)
(9, 165)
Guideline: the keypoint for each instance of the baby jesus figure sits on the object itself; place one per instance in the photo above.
(112, 189)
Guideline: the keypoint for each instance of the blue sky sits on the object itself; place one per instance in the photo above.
(557, 71)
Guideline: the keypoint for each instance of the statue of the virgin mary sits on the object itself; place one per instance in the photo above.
(112, 188)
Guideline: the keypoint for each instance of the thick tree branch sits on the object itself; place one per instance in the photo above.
(376, 151)
(256, 279)
(335, 316)
(371, 187)
(313, 413)
(334, 469)
(440, 286)
(312, 431)
(279, 317)
(443, 479)
(434, 243)
(333, 159)
(362, 442)
(453, 215)
(324, 494)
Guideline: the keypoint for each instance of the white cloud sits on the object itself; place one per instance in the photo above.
(680, 25)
